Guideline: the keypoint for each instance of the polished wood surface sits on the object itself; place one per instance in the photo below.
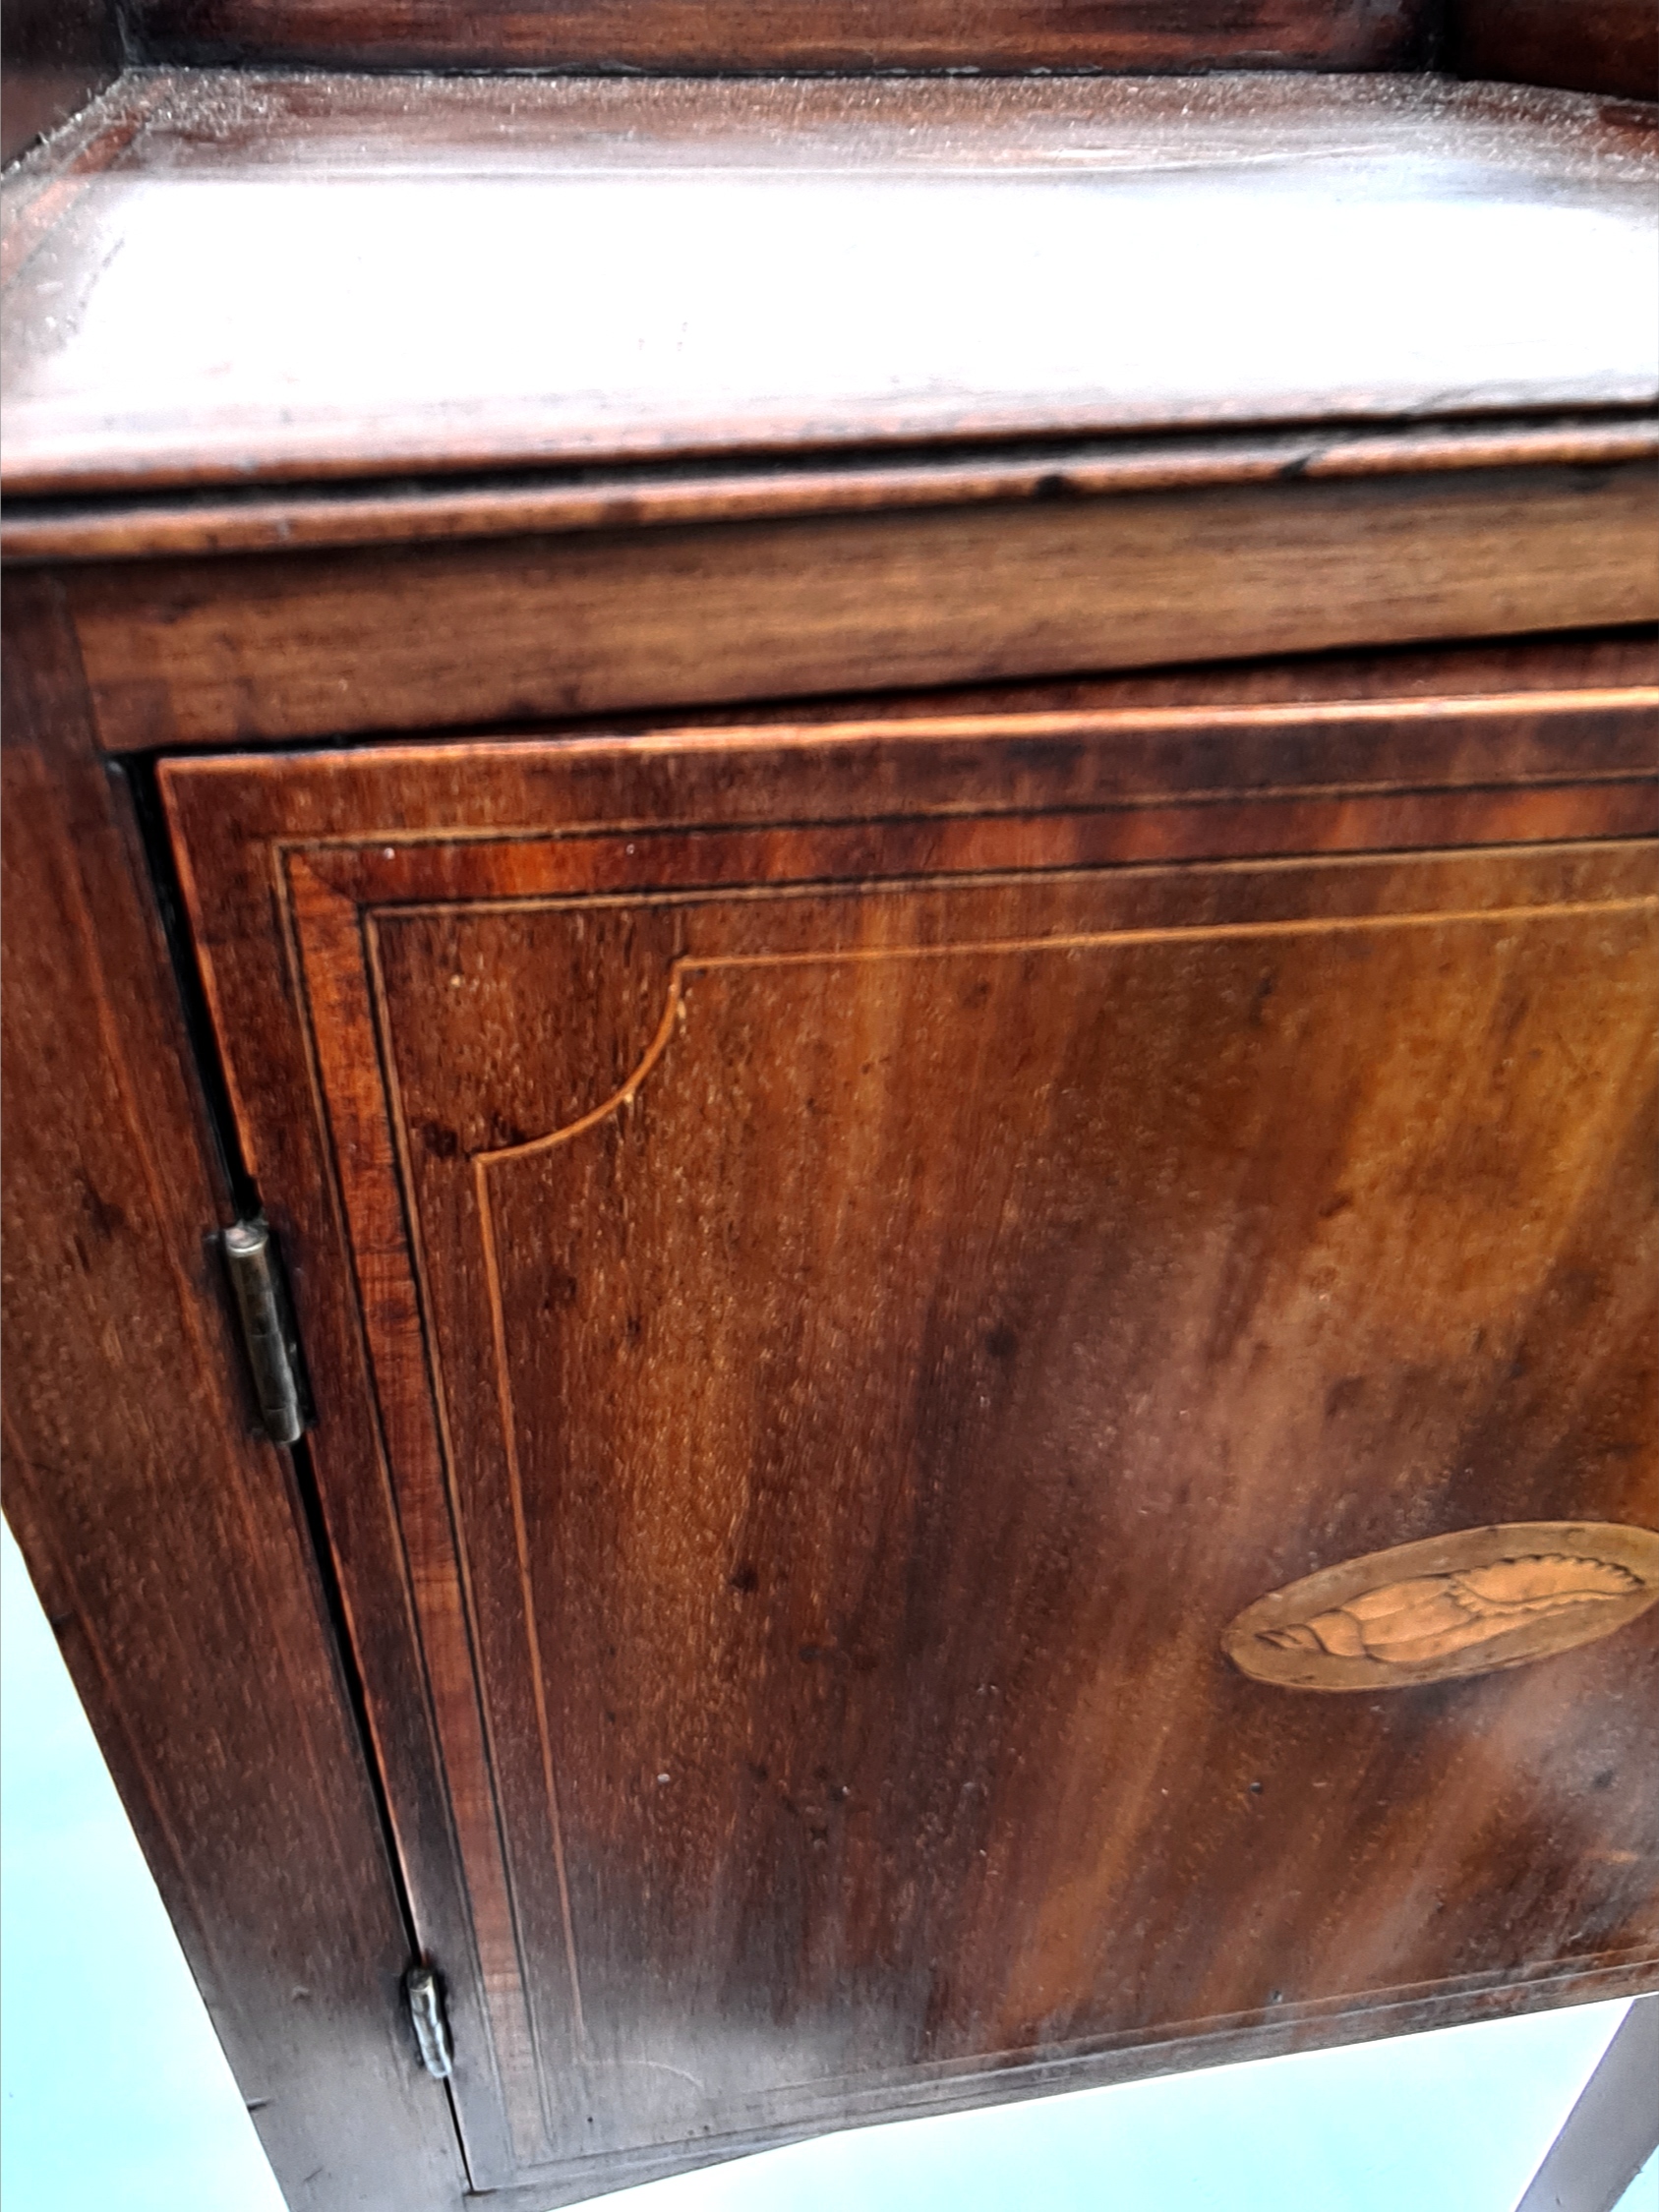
(1588, 45)
(269, 647)
(842, 1236)
(736, 35)
(619, 498)
(247, 286)
(1573, 665)
(843, 1258)
(168, 1544)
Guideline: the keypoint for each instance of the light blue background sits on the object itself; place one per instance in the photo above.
(117, 2097)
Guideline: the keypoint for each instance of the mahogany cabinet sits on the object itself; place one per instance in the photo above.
(947, 1019)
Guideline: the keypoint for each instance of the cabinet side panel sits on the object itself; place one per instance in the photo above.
(162, 1537)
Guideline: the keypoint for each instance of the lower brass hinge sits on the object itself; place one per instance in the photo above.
(431, 2024)
(267, 1329)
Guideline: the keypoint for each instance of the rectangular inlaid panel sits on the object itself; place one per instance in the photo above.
(841, 1313)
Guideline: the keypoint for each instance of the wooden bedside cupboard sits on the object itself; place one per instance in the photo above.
(879, 810)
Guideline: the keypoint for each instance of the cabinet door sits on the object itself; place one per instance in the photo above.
(839, 1263)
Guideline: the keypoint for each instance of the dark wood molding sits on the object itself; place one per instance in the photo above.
(284, 520)
(169, 1544)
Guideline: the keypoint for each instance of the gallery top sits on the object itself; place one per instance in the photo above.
(217, 277)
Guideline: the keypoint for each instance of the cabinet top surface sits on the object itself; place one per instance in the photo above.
(222, 277)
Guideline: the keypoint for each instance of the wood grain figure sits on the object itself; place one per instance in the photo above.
(291, 645)
(858, 1288)
(898, 820)
(168, 1544)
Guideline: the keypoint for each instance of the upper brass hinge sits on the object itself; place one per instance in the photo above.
(431, 2022)
(267, 1329)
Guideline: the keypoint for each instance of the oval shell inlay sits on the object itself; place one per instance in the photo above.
(1467, 1603)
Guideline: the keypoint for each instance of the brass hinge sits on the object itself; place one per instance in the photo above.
(267, 1329)
(431, 2024)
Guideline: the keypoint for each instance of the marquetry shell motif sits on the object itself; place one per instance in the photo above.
(1466, 1604)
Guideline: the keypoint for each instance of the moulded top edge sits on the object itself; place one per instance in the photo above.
(219, 277)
